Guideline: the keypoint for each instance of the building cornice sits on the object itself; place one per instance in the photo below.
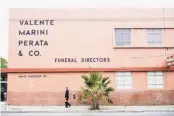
(70, 70)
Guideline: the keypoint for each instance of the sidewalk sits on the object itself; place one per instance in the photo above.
(83, 109)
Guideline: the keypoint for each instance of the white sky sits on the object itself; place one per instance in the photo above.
(5, 4)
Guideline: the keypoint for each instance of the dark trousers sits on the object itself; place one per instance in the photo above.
(66, 102)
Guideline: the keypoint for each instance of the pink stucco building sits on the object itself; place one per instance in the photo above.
(49, 49)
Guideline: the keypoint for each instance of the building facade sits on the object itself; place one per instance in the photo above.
(49, 50)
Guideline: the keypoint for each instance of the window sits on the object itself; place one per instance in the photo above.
(122, 37)
(124, 80)
(155, 79)
(154, 36)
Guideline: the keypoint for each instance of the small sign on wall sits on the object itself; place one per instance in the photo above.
(170, 60)
(32, 76)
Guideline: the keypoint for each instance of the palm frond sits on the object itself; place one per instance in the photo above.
(109, 89)
(109, 100)
(95, 76)
(90, 84)
(105, 79)
(86, 78)
(106, 84)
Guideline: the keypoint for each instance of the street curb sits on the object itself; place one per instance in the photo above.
(85, 111)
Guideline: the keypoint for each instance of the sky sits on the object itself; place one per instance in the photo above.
(6, 4)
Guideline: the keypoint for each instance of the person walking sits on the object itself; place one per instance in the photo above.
(66, 98)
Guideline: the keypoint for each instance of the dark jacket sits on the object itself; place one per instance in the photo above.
(67, 94)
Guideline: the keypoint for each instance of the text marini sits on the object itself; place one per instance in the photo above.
(33, 32)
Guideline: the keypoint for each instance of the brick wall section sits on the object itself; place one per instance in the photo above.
(153, 97)
(39, 98)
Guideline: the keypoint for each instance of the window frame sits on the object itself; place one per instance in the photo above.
(119, 76)
(153, 32)
(154, 80)
(115, 40)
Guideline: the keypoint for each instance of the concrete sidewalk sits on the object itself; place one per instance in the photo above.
(81, 109)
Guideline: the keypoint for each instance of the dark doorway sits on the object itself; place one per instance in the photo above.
(3, 86)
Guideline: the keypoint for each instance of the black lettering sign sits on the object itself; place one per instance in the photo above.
(33, 32)
(36, 22)
(32, 43)
(34, 53)
(68, 60)
(32, 76)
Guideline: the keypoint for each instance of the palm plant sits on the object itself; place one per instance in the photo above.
(96, 87)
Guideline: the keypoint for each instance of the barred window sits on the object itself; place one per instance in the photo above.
(154, 36)
(155, 79)
(124, 80)
(122, 37)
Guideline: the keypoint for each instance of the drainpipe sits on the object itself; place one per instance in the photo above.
(165, 48)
